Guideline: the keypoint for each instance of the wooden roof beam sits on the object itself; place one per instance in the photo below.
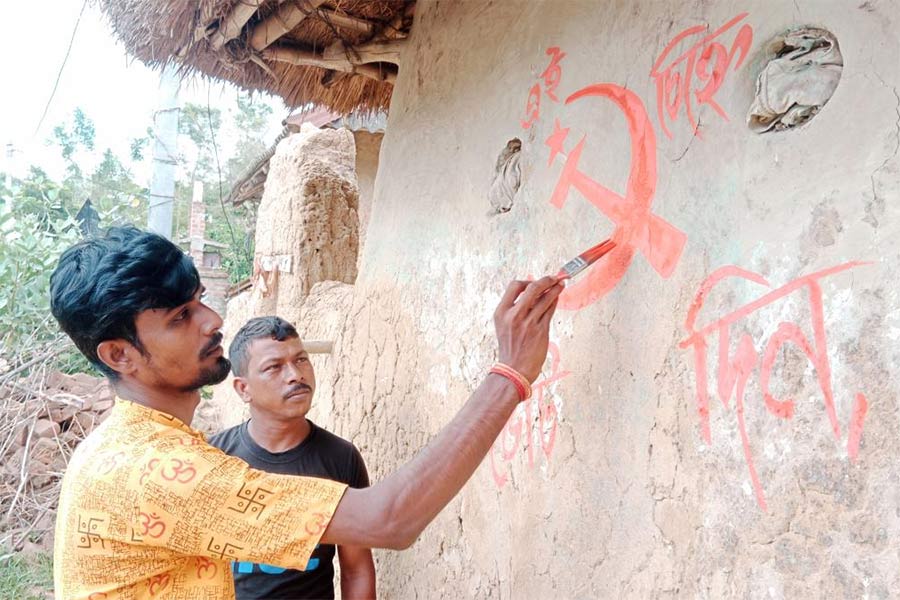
(283, 20)
(232, 25)
(347, 21)
(298, 56)
(382, 51)
(394, 30)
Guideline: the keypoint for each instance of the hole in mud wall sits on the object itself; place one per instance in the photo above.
(507, 177)
(801, 71)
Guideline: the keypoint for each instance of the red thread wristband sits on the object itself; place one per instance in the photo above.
(523, 387)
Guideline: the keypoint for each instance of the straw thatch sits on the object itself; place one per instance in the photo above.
(348, 38)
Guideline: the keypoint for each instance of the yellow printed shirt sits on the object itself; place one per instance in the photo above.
(148, 509)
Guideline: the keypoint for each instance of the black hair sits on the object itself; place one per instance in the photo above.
(273, 328)
(101, 284)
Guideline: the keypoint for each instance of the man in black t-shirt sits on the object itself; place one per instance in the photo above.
(274, 376)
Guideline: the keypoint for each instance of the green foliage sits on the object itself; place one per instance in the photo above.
(80, 133)
(138, 145)
(29, 251)
(250, 120)
(251, 117)
(228, 225)
(84, 129)
(115, 194)
(110, 187)
(37, 195)
(181, 213)
(201, 126)
(237, 258)
(36, 227)
(37, 213)
(26, 577)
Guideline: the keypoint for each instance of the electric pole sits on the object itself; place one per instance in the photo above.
(165, 156)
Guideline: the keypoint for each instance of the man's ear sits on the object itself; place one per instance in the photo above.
(240, 386)
(119, 355)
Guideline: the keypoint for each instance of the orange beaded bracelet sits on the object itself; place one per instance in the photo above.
(523, 387)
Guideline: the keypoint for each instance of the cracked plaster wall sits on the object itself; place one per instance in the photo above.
(631, 502)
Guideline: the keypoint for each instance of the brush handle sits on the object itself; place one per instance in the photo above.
(585, 259)
(573, 268)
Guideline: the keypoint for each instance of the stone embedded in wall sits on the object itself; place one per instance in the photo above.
(507, 177)
(800, 77)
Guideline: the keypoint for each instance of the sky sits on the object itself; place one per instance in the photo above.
(115, 91)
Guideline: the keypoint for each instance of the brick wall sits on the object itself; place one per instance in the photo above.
(216, 282)
(197, 230)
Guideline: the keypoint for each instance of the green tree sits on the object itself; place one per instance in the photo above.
(29, 250)
(114, 193)
(201, 125)
(250, 118)
(139, 145)
(80, 132)
(77, 134)
(37, 223)
(110, 187)
(39, 196)
(226, 224)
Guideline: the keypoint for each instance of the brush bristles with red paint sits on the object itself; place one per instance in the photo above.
(585, 259)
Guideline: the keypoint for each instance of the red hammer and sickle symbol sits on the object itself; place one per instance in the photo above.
(637, 228)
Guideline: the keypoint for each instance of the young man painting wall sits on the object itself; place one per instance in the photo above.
(149, 508)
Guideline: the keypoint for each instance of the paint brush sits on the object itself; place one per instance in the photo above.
(585, 259)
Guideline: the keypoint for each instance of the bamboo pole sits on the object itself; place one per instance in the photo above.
(233, 24)
(297, 56)
(348, 21)
(381, 51)
(285, 19)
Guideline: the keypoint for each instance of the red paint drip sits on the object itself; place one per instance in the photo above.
(860, 407)
(748, 454)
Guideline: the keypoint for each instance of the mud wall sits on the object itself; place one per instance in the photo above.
(718, 416)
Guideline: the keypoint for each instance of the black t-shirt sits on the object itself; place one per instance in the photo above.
(321, 454)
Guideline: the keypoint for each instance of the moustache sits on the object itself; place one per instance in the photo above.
(297, 388)
(212, 345)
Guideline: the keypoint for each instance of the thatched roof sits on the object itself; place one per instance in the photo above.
(341, 54)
